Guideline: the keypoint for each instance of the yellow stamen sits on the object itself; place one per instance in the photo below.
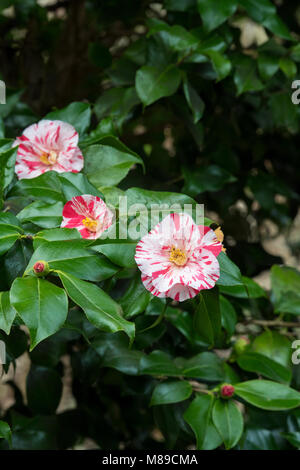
(90, 224)
(220, 237)
(178, 256)
(49, 158)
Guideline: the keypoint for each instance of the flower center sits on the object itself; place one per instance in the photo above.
(178, 256)
(90, 224)
(49, 158)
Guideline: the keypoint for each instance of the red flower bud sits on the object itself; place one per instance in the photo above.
(227, 391)
(41, 268)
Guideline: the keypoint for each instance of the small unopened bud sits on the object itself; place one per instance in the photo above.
(41, 268)
(240, 345)
(227, 391)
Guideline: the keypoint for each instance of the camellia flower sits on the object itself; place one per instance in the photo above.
(178, 258)
(89, 214)
(48, 145)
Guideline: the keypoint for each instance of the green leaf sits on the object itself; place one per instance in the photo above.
(198, 416)
(284, 112)
(204, 366)
(9, 234)
(194, 101)
(268, 395)
(288, 67)
(160, 198)
(158, 363)
(153, 83)
(285, 289)
(211, 178)
(42, 214)
(120, 252)
(275, 346)
(267, 65)
(7, 313)
(117, 103)
(249, 289)
(5, 432)
(54, 235)
(77, 114)
(212, 15)
(262, 365)
(176, 37)
(72, 256)
(245, 76)
(76, 184)
(7, 166)
(43, 390)
(229, 422)
(115, 353)
(45, 187)
(135, 299)
(107, 165)
(171, 392)
(221, 64)
(179, 5)
(264, 12)
(100, 309)
(207, 318)
(230, 274)
(42, 306)
(228, 315)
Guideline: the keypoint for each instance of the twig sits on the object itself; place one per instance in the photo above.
(287, 324)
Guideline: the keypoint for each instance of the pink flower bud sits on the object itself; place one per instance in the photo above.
(227, 391)
(41, 268)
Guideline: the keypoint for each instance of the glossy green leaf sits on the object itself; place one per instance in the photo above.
(73, 256)
(77, 114)
(263, 365)
(7, 313)
(194, 101)
(249, 289)
(230, 274)
(107, 166)
(100, 309)
(273, 345)
(42, 214)
(198, 416)
(211, 178)
(171, 392)
(228, 421)
(41, 305)
(213, 16)
(268, 395)
(45, 187)
(153, 83)
(136, 298)
(228, 315)
(285, 289)
(159, 363)
(204, 366)
(9, 234)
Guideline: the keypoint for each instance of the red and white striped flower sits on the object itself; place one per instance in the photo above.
(178, 258)
(48, 145)
(89, 214)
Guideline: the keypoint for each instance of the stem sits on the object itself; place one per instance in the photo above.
(287, 324)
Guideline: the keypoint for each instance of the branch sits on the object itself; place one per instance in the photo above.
(279, 323)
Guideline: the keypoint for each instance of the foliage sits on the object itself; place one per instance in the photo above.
(174, 102)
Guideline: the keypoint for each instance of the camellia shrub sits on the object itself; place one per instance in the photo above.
(149, 156)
